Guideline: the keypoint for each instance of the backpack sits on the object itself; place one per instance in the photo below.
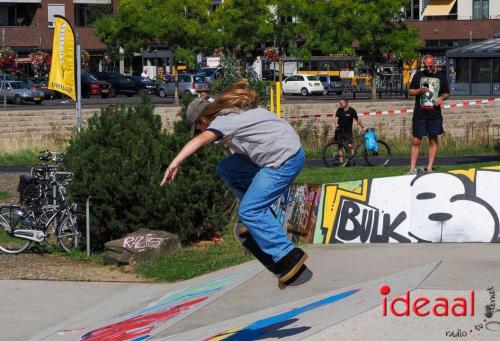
(371, 143)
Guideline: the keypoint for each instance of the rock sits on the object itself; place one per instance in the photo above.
(140, 246)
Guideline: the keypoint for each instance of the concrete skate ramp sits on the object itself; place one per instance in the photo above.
(142, 311)
(306, 317)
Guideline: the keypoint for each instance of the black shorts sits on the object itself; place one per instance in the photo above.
(427, 127)
(343, 136)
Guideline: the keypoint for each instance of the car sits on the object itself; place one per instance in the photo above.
(332, 84)
(40, 83)
(19, 92)
(271, 75)
(120, 84)
(302, 84)
(92, 86)
(188, 84)
(143, 84)
(211, 73)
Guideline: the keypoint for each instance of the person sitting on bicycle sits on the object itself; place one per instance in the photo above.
(343, 123)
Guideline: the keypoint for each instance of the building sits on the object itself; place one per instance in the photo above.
(449, 24)
(475, 69)
(27, 25)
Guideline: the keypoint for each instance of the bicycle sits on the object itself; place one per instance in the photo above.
(20, 227)
(337, 153)
(44, 213)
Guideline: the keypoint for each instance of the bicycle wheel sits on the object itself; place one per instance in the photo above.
(381, 157)
(9, 222)
(67, 232)
(334, 154)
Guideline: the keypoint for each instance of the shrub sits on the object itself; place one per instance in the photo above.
(120, 159)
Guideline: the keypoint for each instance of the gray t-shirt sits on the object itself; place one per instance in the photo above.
(267, 140)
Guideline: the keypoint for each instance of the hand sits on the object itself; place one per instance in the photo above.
(438, 101)
(170, 174)
(424, 89)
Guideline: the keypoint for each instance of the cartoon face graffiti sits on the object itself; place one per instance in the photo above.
(444, 208)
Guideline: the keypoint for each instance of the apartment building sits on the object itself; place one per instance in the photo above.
(27, 25)
(448, 24)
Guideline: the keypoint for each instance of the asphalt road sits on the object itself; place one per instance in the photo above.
(97, 102)
(422, 161)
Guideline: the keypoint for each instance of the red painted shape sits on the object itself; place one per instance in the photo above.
(138, 325)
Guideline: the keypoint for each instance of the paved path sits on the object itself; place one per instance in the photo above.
(422, 161)
(342, 301)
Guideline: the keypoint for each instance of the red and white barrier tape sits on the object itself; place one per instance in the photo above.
(396, 112)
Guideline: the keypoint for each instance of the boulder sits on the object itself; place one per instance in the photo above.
(140, 246)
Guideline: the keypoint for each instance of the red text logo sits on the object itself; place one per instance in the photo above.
(423, 306)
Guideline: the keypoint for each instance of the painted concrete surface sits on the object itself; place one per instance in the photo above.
(341, 302)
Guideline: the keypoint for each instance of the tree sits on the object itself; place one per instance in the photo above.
(379, 33)
(176, 24)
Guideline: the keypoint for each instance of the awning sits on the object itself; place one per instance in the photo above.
(439, 7)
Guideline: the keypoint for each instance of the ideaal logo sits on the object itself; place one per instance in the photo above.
(458, 306)
(423, 306)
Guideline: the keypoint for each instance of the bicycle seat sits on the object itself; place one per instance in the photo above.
(26, 179)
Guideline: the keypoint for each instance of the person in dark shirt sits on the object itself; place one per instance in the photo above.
(344, 118)
(431, 89)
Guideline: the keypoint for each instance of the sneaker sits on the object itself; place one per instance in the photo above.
(415, 171)
(290, 265)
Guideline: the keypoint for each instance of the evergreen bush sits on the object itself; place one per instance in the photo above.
(119, 159)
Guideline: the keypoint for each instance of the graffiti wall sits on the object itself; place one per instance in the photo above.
(459, 206)
(297, 210)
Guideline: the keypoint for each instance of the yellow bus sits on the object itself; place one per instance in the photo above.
(341, 66)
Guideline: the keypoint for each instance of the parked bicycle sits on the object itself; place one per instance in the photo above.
(44, 213)
(337, 153)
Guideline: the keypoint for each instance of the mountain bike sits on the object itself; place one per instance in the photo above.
(337, 153)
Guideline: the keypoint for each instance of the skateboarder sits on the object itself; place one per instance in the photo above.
(267, 157)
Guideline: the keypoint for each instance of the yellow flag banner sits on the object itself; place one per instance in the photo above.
(62, 68)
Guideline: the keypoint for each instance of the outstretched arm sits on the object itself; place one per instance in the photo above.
(360, 124)
(189, 149)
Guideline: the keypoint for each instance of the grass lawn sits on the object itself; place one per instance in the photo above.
(4, 195)
(190, 262)
(339, 174)
(25, 157)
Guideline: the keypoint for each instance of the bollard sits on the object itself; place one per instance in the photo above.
(278, 99)
(87, 218)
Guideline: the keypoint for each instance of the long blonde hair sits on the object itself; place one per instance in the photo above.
(239, 96)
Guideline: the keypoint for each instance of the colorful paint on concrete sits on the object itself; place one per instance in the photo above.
(145, 323)
(271, 325)
(459, 206)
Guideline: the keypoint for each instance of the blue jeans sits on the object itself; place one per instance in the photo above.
(257, 189)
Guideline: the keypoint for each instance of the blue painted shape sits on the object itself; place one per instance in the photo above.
(271, 326)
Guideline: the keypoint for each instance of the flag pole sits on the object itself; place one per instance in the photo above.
(78, 85)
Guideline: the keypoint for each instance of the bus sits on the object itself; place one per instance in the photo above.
(340, 66)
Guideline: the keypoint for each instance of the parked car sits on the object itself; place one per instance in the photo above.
(40, 83)
(302, 84)
(19, 92)
(211, 73)
(143, 84)
(332, 84)
(92, 86)
(188, 84)
(271, 75)
(120, 84)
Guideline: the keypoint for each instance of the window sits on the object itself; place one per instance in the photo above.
(462, 70)
(87, 15)
(496, 70)
(481, 9)
(17, 14)
(53, 10)
(481, 70)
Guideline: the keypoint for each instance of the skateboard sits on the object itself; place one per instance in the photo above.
(298, 277)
